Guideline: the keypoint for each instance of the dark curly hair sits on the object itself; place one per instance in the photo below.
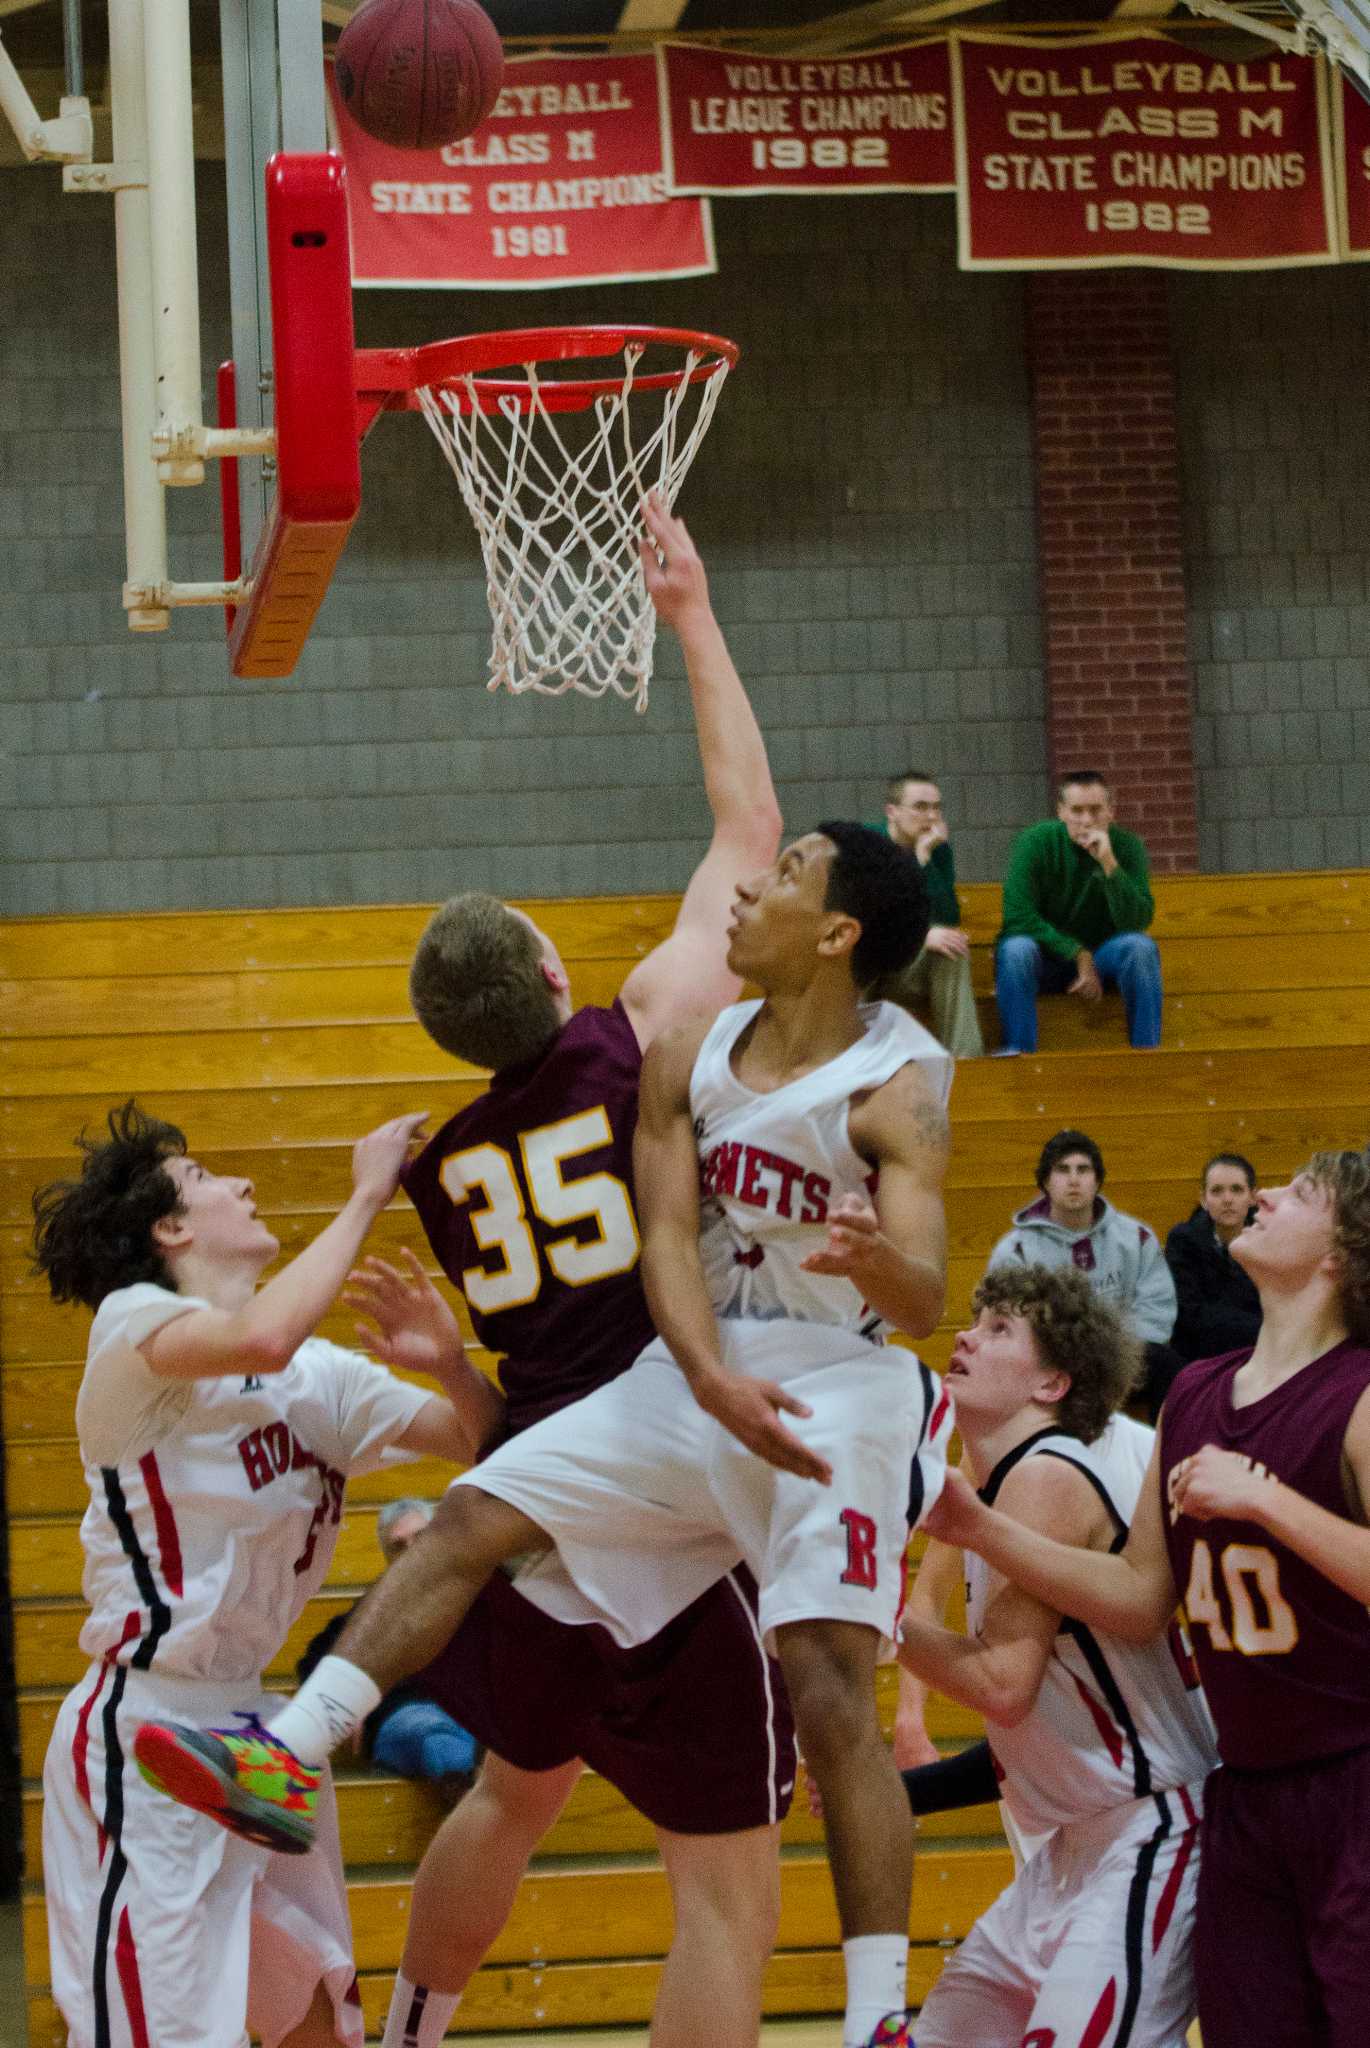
(95, 1234)
(881, 885)
(1076, 1332)
(1345, 1177)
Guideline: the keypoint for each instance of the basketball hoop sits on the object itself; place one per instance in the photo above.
(553, 470)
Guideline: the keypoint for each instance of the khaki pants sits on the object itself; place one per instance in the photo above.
(939, 985)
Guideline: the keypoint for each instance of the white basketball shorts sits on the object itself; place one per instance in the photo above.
(1091, 1942)
(164, 1931)
(649, 1500)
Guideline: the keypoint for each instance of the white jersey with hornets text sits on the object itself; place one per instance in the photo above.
(215, 1503)
(773, 1165)
(1113, 1721)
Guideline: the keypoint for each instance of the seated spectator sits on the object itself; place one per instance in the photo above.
(1077, 902)
(1220, 1309)
(937, 980)
(1072, 1225)
(408, 1733)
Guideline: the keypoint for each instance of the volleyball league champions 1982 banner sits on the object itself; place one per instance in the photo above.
(563, 184)
(739, 122)
(1138, 150)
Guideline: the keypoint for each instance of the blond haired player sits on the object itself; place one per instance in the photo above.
(217, 1434)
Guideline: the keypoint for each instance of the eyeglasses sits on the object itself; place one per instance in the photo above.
(920, 806)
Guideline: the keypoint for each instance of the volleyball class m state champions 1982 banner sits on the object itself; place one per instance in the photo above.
(1136, 149)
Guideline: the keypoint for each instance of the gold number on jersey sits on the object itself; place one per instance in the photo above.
(1242, 1565)
(502, 1223)
(500, 1226)
(600, 1198)
(1280, 1630)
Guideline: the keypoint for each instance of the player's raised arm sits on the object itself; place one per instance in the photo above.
(689, 970)
(895, 1250)
(666, 1171)
(1131, 1595)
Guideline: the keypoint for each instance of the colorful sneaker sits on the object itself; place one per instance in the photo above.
(242, 1777)
(892, 2032)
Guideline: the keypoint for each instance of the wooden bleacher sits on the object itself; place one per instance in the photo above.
(275, 1038)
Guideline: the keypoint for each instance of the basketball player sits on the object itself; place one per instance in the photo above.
(1254, 1513)
(644, 1485)
(1100, 1747)
(217, 1435)
(526, 1196)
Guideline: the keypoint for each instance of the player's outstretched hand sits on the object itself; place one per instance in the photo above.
(1212, 1484)
(751, 1410)
(671, 568)
(409, 1324)
(378, 1158)
(853, 1234)
(954, 1515)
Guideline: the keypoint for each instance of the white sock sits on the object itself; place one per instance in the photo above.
(333, 1701)
(877, 1983)
(418, 2015)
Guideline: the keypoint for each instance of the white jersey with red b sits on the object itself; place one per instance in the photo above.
(1092, 1941)
(648, 1499)
(214, 1508)
(772, 1166)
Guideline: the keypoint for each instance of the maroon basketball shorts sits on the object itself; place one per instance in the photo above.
(693, 1727)
(1282, 1934)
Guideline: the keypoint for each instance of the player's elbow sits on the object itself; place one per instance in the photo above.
(1010, 1698)
(263, 1351)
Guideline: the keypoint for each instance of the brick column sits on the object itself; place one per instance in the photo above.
(1119, 694)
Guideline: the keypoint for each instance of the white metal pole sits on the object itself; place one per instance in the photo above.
(171, 210)
(144, 501)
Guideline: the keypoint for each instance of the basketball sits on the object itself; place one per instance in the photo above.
(419, 73)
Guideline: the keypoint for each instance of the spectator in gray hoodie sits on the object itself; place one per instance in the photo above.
(1071, 1224)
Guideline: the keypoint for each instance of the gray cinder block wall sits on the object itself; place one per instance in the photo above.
(864, 503)
(1274, 404)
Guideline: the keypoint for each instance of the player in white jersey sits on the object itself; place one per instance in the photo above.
(644, 1486)
(1100, 1746)
(217, 1435)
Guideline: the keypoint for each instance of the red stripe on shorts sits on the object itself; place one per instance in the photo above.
(168, 1539)
(1101, 2019)
(81, 1740)
(130, 1983)
(1166, 1905)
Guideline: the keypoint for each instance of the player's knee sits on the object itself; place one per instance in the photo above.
(832, 1696)
(472, 1532)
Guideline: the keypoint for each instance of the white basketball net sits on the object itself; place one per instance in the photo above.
(556, 498)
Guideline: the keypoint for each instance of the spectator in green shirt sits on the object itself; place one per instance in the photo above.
(1077, 902)
(938, 979)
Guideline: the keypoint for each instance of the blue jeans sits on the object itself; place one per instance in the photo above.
(419, 1740)
(1128, 962)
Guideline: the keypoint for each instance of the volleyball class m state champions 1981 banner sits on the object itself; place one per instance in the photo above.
(563, 184)
(1121, 147)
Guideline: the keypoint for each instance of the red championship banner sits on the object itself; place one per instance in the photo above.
(1353, 168)
(741, 123)
(1133, 149)
(564, 184)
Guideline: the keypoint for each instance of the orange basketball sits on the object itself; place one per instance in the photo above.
(419, 73)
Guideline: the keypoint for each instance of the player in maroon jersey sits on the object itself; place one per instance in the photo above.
(1255, 1515)
(527, 1198)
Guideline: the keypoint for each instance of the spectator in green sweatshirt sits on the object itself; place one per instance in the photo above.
(937, 981)
(1077, 902)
